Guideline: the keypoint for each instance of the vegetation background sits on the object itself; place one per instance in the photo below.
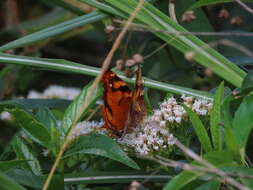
(189, 47)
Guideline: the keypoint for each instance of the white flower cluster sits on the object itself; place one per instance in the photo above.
(5, 116)
(55, 91)
(148, 137)
(200, 106)
(154, 133)
(86, 127)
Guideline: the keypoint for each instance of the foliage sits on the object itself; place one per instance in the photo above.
(63, 42)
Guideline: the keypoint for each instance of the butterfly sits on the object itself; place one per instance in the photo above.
(123, 108)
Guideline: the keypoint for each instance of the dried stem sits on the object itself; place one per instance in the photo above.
(247, 8)
(90, 93)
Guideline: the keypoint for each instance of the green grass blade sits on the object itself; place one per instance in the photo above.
(54, 30)
(200, 130)
(68, 66)
(204, 55)
(215, 118)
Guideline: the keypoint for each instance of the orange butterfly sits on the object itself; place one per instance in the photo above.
(123, 108)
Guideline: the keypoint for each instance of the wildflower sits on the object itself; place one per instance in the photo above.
(5, 116)
(155, 133)
(55, 91)
(86, 127)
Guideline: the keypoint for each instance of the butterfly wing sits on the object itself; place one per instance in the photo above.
(138, 110)
(117, 102)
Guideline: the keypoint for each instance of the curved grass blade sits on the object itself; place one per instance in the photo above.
(54, 30)
(69, 66)
(203, 54)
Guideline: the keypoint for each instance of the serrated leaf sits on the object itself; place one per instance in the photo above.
(23, 152)
(54, 30)
(200, 130)
(46, 117)
(79, 107)
(215, 118)
(103, 146)
(31, 126)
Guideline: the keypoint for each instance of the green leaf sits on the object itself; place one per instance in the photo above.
(103, 146)
(79, 107)
(242, 122)
(7, 165)
(38, 103)
(200, 130)
(63, 65)
(217, 158)
(46, 117)
(211, 185)
(26, 178)
(7, 183)
(215, 118)
(54, 30)
(201, 3)
(31, 126)
(23, 152)
(247, 83)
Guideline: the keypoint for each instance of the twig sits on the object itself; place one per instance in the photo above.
(144, 28)
(247, 8)
(209, 166)
(90, 93)
(172, 11)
